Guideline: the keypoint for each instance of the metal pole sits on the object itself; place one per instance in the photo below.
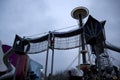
(82, 40)
(112, 47)
(52, 54)
(52, 61)
(79, 55)
(46, 64)
(80, 13)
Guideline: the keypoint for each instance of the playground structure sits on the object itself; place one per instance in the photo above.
(91, 33)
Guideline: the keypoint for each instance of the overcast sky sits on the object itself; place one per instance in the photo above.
(29, 17)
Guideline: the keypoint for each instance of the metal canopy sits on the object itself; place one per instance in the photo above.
(94, 31)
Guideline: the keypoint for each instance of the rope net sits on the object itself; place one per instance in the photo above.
(67, 42)
(61, 41)
(38, 47)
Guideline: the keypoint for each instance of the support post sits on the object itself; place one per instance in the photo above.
(52, 63)
(46, 64)
(82, 40)
(52, 47)
(80, 13)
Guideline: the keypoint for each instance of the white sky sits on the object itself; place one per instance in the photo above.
(29, 17)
